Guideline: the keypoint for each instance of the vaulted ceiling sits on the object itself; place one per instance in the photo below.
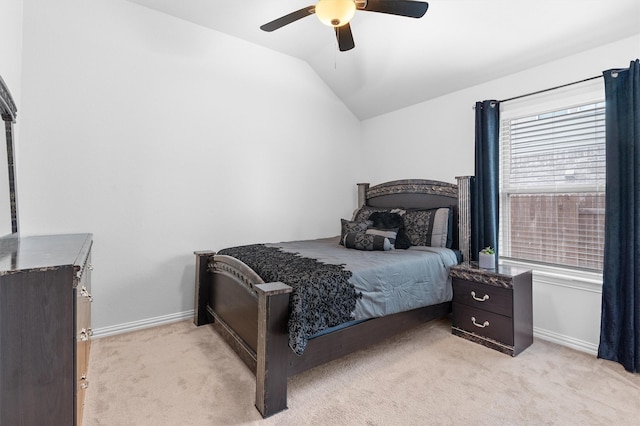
(399, 61)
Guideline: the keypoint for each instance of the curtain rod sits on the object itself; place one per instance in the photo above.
(614, 73)
(551, 88)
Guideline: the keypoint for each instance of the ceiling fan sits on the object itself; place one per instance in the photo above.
(338, 13)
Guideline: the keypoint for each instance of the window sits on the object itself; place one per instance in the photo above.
(552, 183)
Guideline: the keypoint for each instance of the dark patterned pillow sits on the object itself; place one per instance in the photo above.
(388, 220)
(427, 227)
(352, 226)
(364, 212)
(364, 241)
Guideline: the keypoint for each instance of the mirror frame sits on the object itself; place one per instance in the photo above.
(8, 111)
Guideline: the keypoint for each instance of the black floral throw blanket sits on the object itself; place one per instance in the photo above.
(322, 296)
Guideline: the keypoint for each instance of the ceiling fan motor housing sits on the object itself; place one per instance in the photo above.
(335, 13)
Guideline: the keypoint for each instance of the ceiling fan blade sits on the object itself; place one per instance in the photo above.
(345, 38)
(287, 19)
(412, 9)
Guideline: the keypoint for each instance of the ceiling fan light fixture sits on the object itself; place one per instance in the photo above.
(335, 13)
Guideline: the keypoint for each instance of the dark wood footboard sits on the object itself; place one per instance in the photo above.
(252, 317)
(273, 348)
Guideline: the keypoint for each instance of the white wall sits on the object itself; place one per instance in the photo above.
(435, 139)
(162, 137)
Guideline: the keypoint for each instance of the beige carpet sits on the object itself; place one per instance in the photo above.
(180, 374)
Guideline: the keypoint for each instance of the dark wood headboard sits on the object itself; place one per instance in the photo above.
(425, 194)
(410, 193)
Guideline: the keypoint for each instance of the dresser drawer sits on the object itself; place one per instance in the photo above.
(486, 297)
(483, 323)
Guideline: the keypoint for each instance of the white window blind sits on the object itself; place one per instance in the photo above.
(552, 185)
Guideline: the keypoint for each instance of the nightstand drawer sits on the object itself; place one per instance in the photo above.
(486, 297)
(483, 323)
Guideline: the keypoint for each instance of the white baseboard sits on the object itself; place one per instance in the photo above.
(539, 333)
(139, 325)
(568, 341)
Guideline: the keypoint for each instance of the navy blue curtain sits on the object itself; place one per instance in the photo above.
(620, 322)
(485, 189)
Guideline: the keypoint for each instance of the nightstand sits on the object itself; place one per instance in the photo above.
(493, 307)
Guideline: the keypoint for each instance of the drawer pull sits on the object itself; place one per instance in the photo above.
(84, 383)
(84, 335)
(484, 298)
(483, 325)
(85, 293)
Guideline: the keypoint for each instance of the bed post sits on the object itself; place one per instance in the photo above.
(362, 194)
(273, 347)
(464, 216)
(203, 281)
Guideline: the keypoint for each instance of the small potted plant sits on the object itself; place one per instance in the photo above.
(487, 258)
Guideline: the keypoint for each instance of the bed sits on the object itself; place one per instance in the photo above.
(333, 305)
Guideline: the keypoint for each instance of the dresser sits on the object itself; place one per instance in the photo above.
(493, 307)
(45, 328)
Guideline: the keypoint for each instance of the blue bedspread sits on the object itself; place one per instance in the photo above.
(390, 281)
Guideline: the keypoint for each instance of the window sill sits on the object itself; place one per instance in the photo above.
(553, 275)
